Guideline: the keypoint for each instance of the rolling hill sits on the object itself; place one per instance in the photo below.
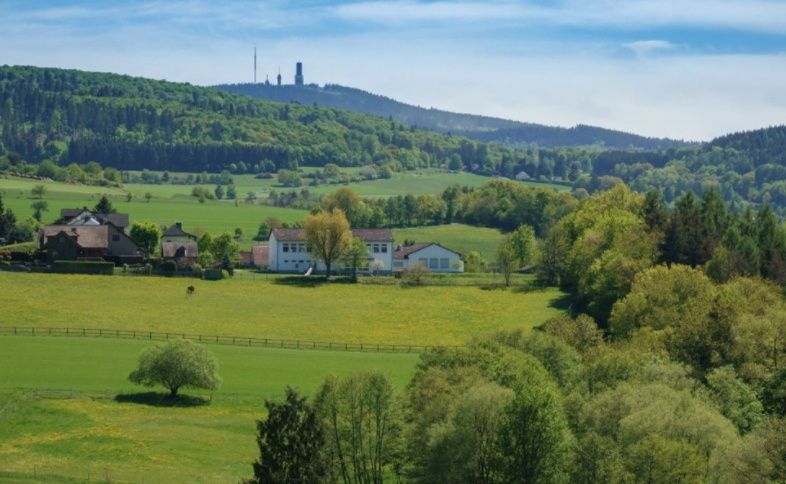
(481, 128)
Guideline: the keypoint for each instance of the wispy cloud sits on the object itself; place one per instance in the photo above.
(645, 47)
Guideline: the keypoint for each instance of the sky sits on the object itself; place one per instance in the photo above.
(685, 69)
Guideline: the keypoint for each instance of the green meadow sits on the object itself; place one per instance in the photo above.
(61, 419)
(274, 307)
(174, 203)
(459, 237)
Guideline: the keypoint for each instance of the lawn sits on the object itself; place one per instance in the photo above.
(59, 419)
(459, 237)
(273, 307)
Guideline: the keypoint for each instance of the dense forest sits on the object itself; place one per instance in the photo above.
(747, 169)
(480, 128)
(68, 116)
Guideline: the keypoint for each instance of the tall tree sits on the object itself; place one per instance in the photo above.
(329, 235)
(104, 206)
(290, 443)
(146, 236)
(507, 258)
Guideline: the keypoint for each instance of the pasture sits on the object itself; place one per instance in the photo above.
(60, 420)
(459, 237)
(274, 307)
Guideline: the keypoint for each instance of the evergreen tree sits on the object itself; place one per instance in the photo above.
(290, 443)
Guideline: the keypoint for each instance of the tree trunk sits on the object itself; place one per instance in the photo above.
(173, 392)
(327, 270)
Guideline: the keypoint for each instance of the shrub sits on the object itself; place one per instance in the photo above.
(415, 274)
(168, 267)
(83, 267)
(213, 274)
(196, 269)
(148, 269)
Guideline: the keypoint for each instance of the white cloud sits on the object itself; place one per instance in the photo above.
(645, 47)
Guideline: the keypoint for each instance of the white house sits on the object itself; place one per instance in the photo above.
(288, 250)
(433, 256)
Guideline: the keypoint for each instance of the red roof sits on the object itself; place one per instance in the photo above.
(367, 235)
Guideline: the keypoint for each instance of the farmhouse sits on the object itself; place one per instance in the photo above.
(80, 234)
(288, 250)
(179, 245)
(432, 255)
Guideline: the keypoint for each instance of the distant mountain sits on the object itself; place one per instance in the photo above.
(481, 128)
(71, 116)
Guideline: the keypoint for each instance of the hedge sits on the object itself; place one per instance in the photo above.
(213, 274)
(83, 267)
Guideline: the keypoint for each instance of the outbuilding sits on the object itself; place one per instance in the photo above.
(432, 255)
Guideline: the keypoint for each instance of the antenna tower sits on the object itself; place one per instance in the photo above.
(255, 65)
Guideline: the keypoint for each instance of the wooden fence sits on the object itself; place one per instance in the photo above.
(219, 340)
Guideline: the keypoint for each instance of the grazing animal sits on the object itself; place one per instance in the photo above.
(190, 290)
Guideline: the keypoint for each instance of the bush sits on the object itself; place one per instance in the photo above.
(415, 274)
(213, 274)
(148, 269)
(196, 269)
(83, 267)
(168, 267)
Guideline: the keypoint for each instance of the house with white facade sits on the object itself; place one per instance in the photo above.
(432, 255)
(288, 250)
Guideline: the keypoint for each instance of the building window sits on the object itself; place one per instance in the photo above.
(423, 261)
(376, 248)
(398, 263)
(285, 247)
(301, 247)
(115, 238)
(444, 263)
(433, 263)
(384, 248)
(368, 247)
(308, 249)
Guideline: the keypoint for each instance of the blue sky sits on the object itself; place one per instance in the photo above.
(689, 69)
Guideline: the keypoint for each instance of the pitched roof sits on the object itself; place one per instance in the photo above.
(169, 249)
(87, 236)
(119, 220)
(367, 235)
(407, 250)
(177, 231)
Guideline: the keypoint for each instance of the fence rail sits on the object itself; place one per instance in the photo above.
(219, 340)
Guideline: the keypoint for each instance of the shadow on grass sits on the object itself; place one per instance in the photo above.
(311, 281)
(155, 399)
(563, 303)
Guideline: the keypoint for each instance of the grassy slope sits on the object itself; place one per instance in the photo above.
(269, 308)
(86, 432)
(459, 237)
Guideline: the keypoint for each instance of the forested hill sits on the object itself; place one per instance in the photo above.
(481, 128)
(764, 146)
(69, 116)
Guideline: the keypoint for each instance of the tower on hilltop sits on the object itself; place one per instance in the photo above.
(278, 77)
(299, 74)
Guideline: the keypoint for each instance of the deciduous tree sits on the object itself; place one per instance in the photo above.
(175, 365)
(329, 235)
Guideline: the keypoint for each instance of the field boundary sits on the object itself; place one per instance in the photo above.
(290, 344)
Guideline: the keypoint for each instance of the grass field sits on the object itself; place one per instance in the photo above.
(60, 422)
(459, 237)
(272, 308)
(174, 203)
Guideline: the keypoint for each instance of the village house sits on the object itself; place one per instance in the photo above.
(432, 255)
(179, 246)
(288, 250)
(80, 234)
